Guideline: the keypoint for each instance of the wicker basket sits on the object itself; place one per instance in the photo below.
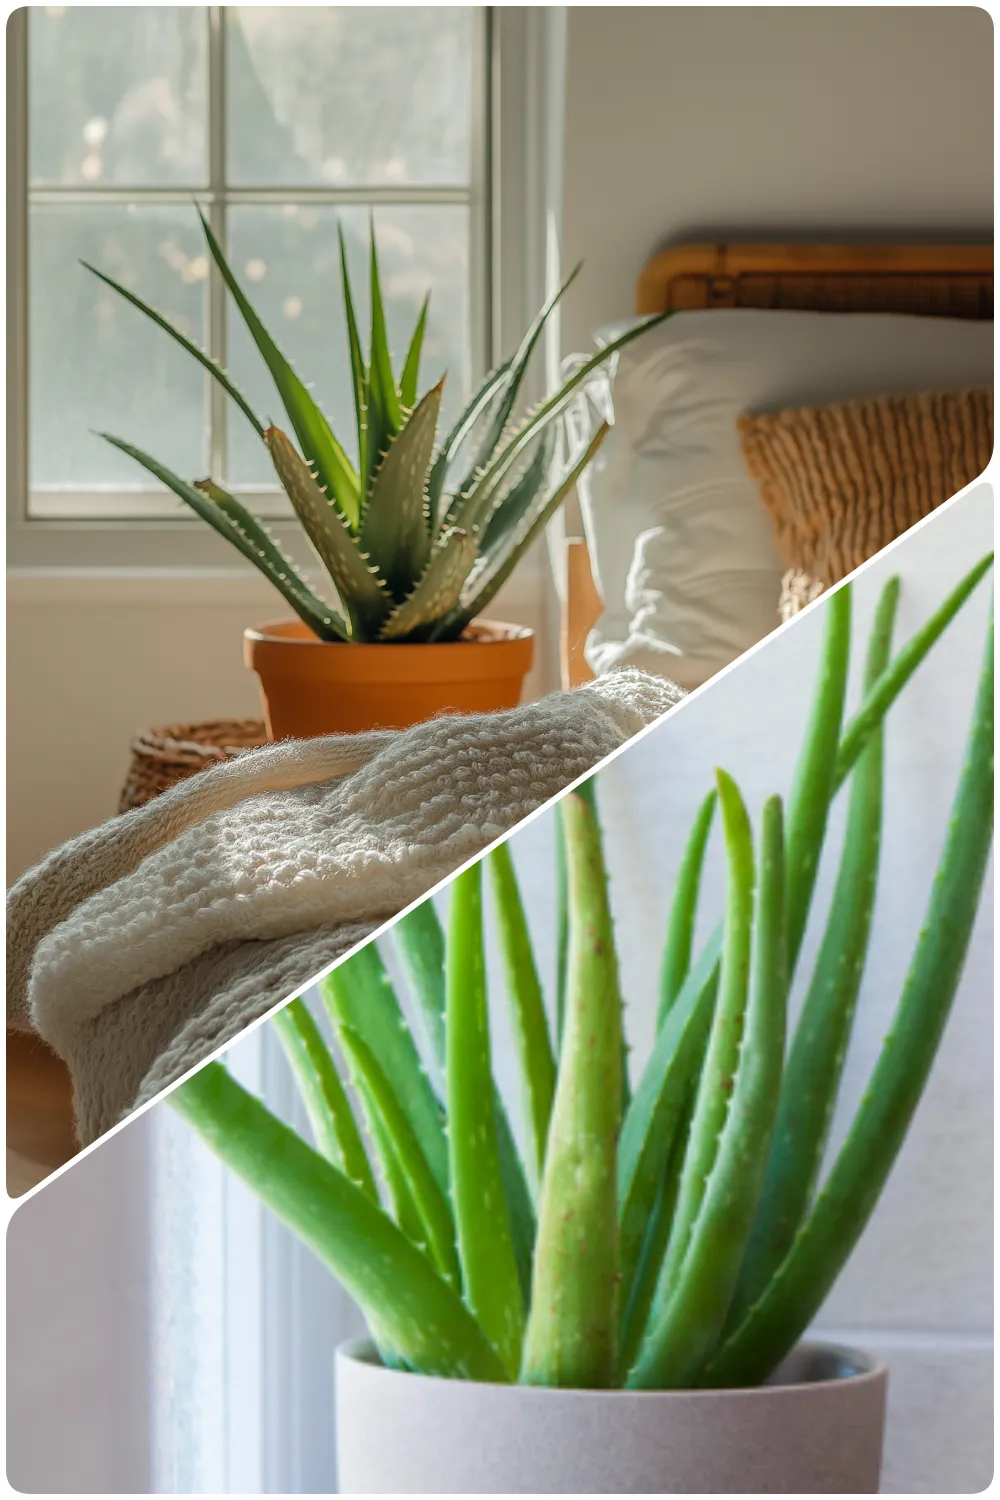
(168, 754)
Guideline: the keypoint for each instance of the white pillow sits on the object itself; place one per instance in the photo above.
(682, 548)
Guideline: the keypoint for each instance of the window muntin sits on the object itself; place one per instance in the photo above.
(239, 111)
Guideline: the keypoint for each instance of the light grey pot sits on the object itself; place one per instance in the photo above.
(815, 1428)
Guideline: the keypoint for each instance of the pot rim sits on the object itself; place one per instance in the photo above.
(862, 1369)
(502, 633)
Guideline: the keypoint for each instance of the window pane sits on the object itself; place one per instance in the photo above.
(117, 95)
(288, 262)
(96, 361)
(339, 96)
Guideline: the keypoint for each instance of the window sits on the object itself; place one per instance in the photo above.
(279, 123)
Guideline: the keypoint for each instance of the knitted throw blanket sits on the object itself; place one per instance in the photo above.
(138, 948)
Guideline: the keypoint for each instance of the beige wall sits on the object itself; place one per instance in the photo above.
(805, 121)
(91, 658)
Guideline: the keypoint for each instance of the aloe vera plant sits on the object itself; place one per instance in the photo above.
(418, 532)
(681, 1233)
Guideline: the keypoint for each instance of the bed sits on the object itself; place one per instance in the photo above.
(953, 282)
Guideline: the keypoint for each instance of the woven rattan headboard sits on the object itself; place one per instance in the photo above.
(945, 281)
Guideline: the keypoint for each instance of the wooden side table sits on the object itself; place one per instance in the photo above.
(40, 1133)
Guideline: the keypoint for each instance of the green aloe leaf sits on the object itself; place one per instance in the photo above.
(638, 1300)
(410, 1309)
(411, 368)
(809, 804)
(846, 1200)
(816, 1059)
(419, 941)
(655, 1115)
(359, 371)
(485, 582)
(562, 923)
(477, 499)
(335, 626)
(430, 1203)
(395, 527)
(362, 591)
(384, 414)
(508, 392)
(472, 414)
(489, 1269)
(899, 671)
(359, 993)
(418, 938)
(232, 521)
(572, 1327)
(437, 591)
(528, 1019)
(680, 925)
(333, 1125)
(737, 1100)
(333, 468)
(199, 354)
(519, 499)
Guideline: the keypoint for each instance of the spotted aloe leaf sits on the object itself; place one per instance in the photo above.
(683, 909)
(490, 1279)
(437, 592)
(359, 993)
(431, 1206)
(734, 1113)
(233, 521)
(334, 1129)
(819, 1048)
(898, 672)
(361, 589)
(852, 1187)
(418, 938)
(653, 1118)
(395, 524)
(529, 1022)
(572, 1326)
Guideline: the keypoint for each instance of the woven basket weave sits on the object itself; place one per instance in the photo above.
(173, 752)
(843, 481)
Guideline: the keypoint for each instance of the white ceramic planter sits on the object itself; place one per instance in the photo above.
(816, 1428)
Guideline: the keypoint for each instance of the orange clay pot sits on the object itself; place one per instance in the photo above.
(311, 687)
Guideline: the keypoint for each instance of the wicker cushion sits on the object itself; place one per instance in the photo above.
(842, 481)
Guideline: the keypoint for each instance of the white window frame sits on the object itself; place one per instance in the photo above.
(171, 539)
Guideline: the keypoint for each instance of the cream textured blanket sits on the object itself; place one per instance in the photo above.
(138, 948)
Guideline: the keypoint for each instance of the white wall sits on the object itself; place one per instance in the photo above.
(705, 122)
(919, 1287)
(79, 1402)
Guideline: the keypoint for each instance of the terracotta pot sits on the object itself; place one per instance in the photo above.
(816, 1428)
(312, 687)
